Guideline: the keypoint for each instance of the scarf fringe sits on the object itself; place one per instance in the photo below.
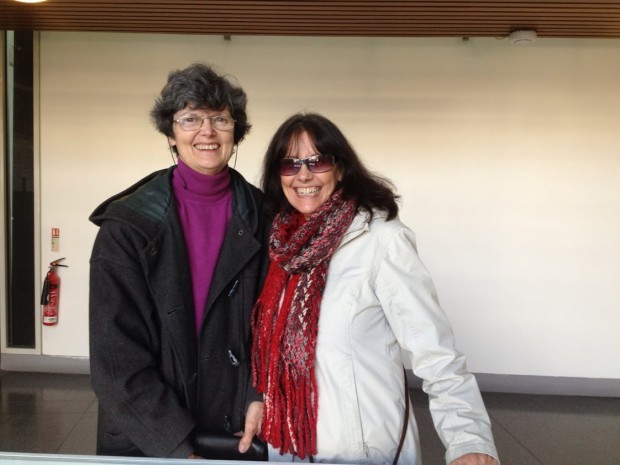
(295, 399)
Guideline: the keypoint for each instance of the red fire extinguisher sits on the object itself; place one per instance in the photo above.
(51, 293)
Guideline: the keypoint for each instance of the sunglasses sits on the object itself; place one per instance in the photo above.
(318, 163)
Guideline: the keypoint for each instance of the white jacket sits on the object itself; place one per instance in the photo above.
(380, 307)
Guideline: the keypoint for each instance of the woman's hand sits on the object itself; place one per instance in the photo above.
(253, 421)
(475, 459)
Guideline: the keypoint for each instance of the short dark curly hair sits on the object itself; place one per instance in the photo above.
(199, 86)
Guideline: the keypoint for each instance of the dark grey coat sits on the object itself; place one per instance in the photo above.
(155, 383)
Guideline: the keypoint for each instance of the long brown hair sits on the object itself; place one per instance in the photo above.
(369, 190)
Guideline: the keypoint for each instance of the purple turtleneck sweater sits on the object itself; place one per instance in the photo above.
(205, 205)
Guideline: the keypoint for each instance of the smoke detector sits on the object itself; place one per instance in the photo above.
(522, 37)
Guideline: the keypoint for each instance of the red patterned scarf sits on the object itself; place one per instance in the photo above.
(285, 322)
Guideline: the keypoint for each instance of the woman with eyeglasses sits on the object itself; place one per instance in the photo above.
(346, 301)
(175, 270)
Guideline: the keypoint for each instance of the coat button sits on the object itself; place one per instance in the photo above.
(233, 360)
(240, 232)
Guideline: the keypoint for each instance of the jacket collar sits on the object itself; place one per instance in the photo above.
(360, 224)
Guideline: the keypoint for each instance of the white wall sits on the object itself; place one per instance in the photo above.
(507, 159)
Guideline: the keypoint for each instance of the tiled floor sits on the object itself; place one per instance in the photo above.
(53, 413)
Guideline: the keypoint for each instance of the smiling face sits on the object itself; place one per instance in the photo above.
(307, 191)
(206, 150)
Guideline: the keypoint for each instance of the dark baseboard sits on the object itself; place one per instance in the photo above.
(544, 385)
(488, 382)
(45, 364)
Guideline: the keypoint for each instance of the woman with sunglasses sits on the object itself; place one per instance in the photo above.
(345, 302)
(175, 270)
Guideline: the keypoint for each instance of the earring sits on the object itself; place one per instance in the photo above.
(174, 153)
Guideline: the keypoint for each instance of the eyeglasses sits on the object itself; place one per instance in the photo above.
(194, 122)
(318, 163)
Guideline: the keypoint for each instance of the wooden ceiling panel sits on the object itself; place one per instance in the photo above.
(475, 18)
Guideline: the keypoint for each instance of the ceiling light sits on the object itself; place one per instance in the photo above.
(30, 1)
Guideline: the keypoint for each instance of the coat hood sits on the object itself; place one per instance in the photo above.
(145, 204)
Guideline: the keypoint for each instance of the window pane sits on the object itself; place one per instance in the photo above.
(21, 302)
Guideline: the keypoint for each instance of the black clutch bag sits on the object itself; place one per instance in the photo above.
(223, 446)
